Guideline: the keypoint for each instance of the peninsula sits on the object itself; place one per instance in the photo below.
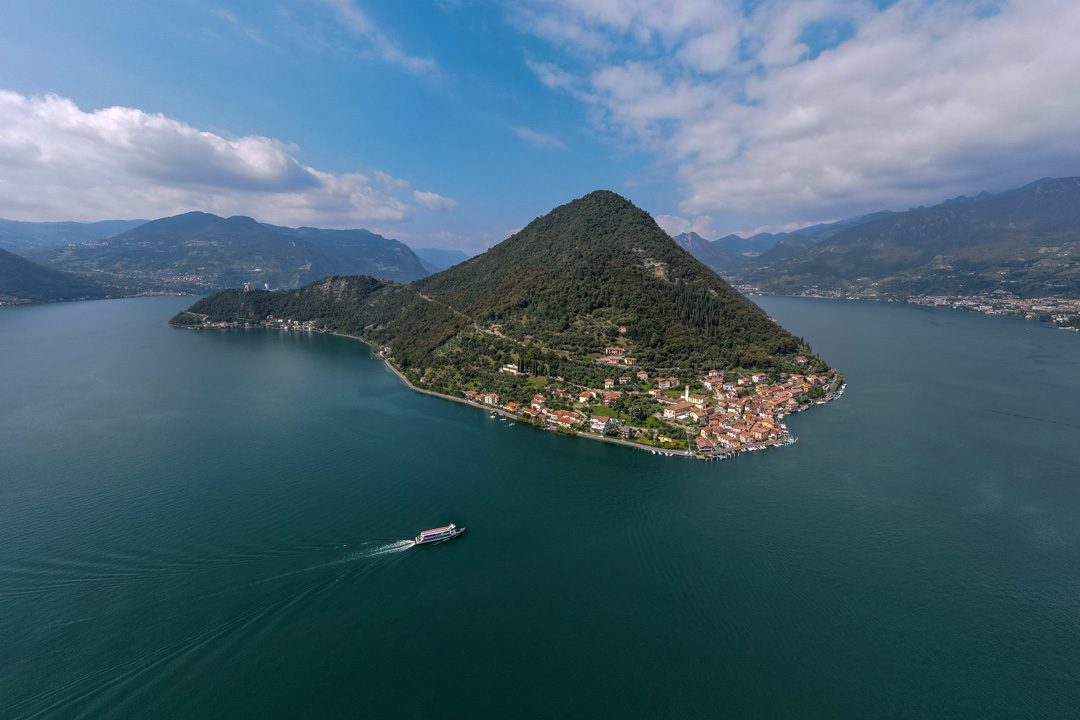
(591, 320)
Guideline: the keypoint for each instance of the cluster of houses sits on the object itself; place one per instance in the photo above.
(730, 414)
(538, 409)
(731, 418)
(616, 355)
(482, 398)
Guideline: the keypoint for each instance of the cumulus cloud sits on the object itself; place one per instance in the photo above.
(538, 139)
(60, 162)
(433, 201)
(824, 108)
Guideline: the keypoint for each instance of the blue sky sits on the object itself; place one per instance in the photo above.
(452, 122)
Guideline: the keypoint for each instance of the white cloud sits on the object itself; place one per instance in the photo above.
(552, 75)
(677, 225)
(433, 201)
(760, 116)
(359, 25)
(538, 139)
(59, 162)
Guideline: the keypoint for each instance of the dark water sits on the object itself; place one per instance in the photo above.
(200, 524)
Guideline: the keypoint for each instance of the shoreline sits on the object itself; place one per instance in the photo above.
(786, 438)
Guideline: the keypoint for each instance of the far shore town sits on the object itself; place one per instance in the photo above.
(1063, 312)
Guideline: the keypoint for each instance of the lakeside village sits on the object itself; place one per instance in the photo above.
(715, 416)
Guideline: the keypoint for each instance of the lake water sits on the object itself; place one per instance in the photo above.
(212, 524)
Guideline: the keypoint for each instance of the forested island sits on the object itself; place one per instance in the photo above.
(589, 320)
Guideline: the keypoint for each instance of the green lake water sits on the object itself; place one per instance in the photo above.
(213, 524)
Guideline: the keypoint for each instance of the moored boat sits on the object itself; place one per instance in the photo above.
(438, 535)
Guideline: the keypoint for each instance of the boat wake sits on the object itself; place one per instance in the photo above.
(115, 685)
(384, 549)
(123, 568)
(371, 553)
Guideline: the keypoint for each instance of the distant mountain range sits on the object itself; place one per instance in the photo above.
(1025, 241)
(196, 252)
(730, 252)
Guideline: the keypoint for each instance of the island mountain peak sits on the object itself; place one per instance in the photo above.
(591, 294)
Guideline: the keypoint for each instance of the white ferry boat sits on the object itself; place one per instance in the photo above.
(438, 535)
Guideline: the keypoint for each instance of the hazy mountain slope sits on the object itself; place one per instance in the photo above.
(436, 259)
(362, 252)
(716, 257)
(33, 237)
(1026, 241)
(22, 280)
